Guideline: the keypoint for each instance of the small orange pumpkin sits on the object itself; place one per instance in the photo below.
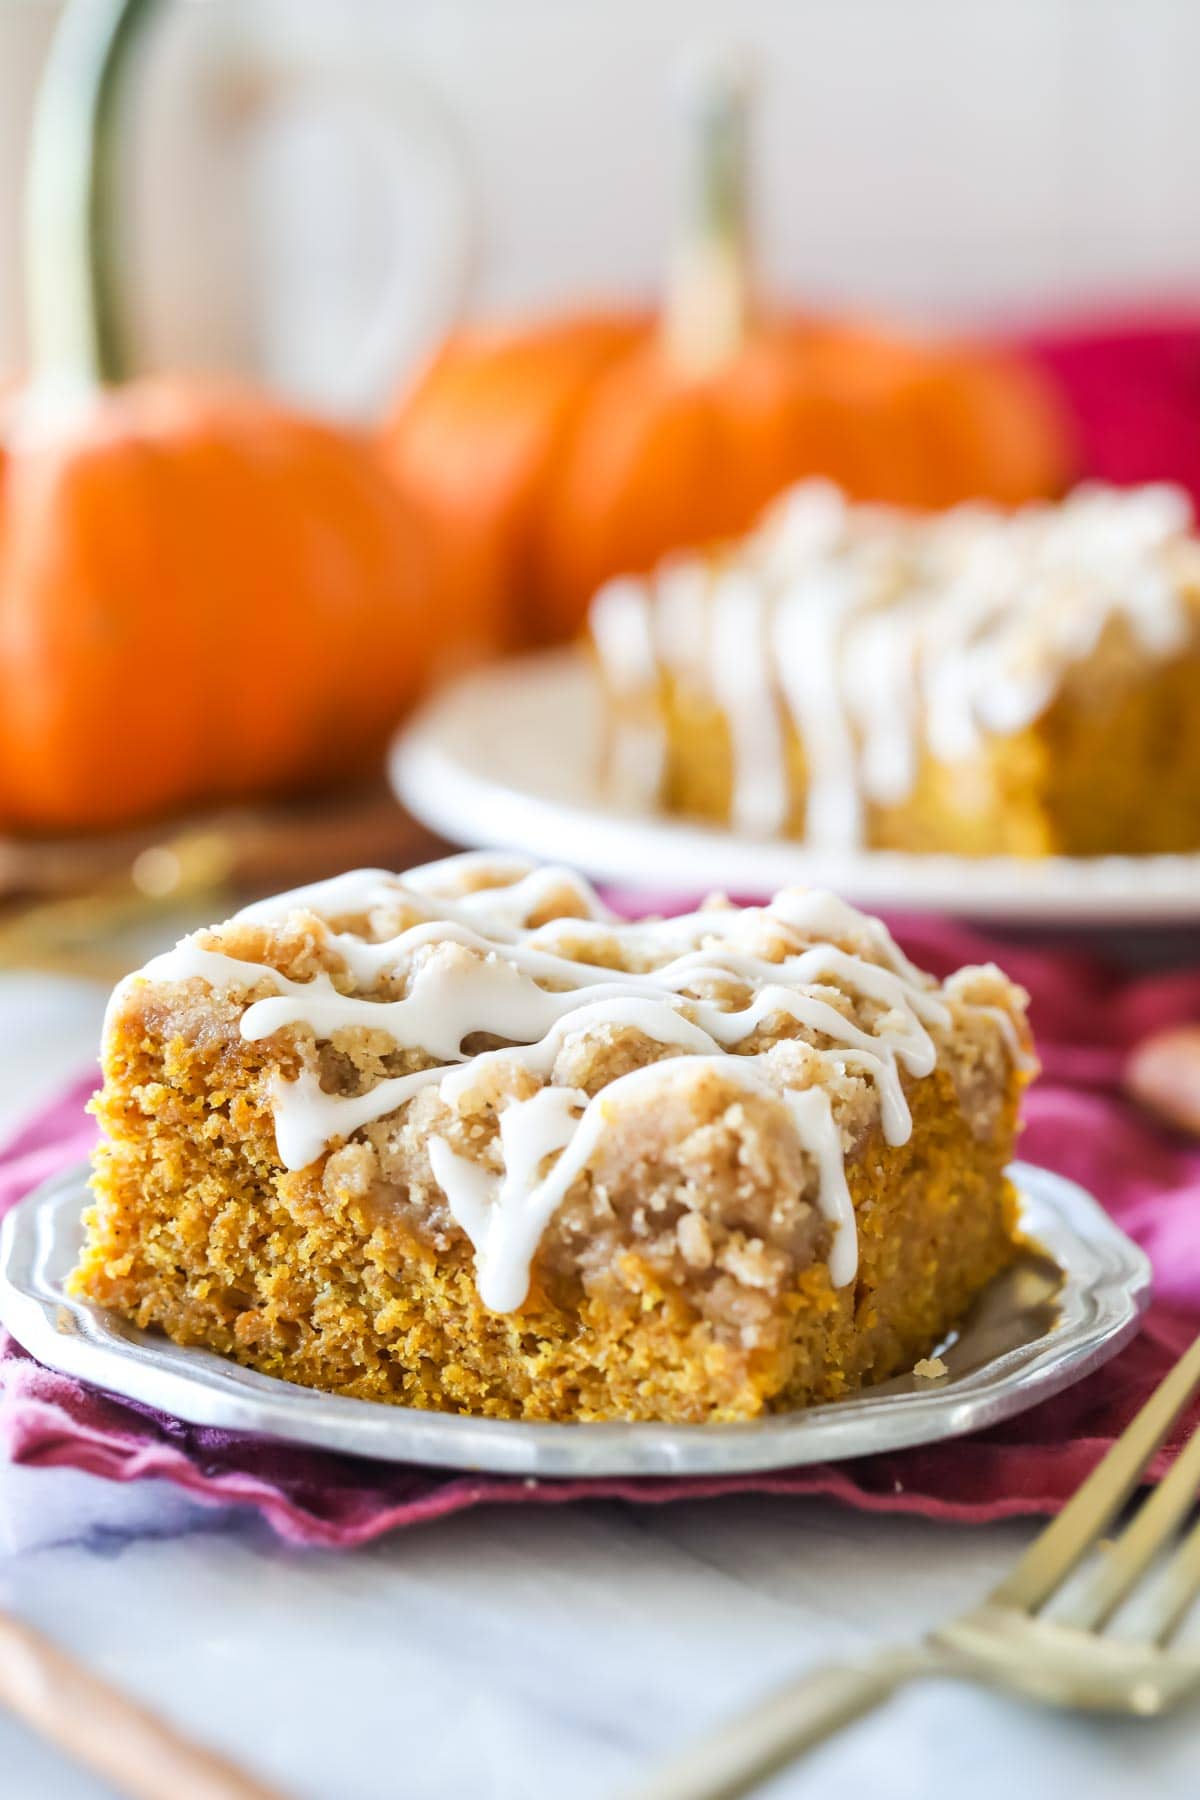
(202, 595)
(557, 454)
(475, 447)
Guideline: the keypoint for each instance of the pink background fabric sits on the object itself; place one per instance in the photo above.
(1132, 388)
(1078, 1122)
(1134, 392)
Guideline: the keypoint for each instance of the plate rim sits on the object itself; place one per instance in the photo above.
(203, 1389)
(457, 793)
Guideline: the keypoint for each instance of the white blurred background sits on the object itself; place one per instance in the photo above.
(315, 188)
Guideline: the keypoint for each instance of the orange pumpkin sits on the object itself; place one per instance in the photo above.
(557, 454)
(202, 595)
(476, 447)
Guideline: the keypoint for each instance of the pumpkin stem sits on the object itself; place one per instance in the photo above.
(707, 307)
(71, 273)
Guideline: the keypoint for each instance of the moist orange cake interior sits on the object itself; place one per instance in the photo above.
(463, 1139)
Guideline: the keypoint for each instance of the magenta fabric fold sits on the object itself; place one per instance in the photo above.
(1078, 1122)
(1132, 390)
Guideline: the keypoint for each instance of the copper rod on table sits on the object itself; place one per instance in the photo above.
(137, 1753)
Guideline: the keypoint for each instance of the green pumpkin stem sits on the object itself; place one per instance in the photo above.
(71, 254)
(708, 298)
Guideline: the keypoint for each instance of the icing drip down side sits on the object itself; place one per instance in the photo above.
(491, 953)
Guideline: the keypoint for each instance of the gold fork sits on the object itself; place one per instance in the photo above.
(1067, 1660)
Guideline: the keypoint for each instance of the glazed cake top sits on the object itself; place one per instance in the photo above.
(489, 1028)
(880, 633)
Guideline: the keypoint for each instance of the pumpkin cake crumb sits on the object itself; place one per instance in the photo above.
(463, 1140)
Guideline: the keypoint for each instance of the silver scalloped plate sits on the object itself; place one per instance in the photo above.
(1057, 1314)
(509, 756)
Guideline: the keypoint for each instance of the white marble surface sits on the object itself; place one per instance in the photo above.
(512, 1655)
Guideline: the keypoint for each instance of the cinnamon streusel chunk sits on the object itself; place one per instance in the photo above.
(462, 1139)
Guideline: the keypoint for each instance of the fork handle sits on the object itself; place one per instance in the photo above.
(758, 1743)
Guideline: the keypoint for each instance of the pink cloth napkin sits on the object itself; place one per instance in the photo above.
(1086, 1018)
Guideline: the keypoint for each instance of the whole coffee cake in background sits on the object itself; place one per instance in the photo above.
(972, 681)
(463, 1139)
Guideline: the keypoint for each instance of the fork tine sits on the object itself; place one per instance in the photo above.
(1157, 1519)
(1052, 1555)
(1172, 1601)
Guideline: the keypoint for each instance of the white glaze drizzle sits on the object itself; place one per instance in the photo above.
(882, 633)
(472, 964)
(505, 1214)
(812, 612)
(621, 624)
(741, 672)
